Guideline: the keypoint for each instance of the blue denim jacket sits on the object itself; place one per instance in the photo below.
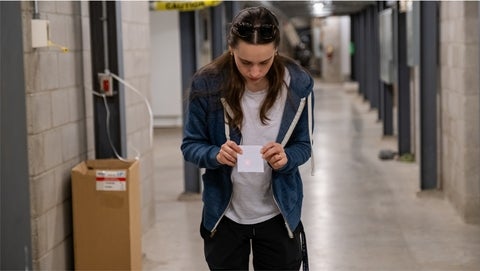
(204, 133)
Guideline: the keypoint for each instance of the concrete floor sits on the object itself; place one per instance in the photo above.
(360, 213)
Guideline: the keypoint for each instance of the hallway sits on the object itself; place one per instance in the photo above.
(360, 213)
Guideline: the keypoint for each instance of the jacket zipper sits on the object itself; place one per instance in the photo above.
(290, 233)
(284, 142)
(214, 230)
(226, 110)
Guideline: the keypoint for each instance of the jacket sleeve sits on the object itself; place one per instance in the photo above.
(299, 147)
(197, 146)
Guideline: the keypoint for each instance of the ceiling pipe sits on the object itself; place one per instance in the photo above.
(105, 35)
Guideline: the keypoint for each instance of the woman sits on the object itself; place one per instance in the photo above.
(251, 98)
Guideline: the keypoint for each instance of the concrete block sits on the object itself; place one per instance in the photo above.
(470, 55)
(43, 193)
(131, 117)
(59, 224)
(73, 26)
(47, 6)
(136, 82)
(48, 69)
(59, 258)
(470, 81)
(68, 7)
(60, 107)
(456, 10)
(143, 140)
(39, 112)
(27, 31)
(471, 117)
(471, 29)
(85, 8)
(41, 71)
(30, 63)
(444, 82)
(57, 29)
(39, 236)
(70, 69)
(445, 31)
(135, 63)
(128, 36)
(135, 11)
(76, 101)
(73, 140)
(36, 162)
(134, 147)
(470, 9)
(90, 136)
(63, 187)
(52, 148)
(87, 71)
(471, 173)
(444, 57)
(85, 21)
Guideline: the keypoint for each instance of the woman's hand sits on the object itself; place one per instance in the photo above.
(228, 153)
(274, 154)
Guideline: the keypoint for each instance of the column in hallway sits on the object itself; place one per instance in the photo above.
(15, 234)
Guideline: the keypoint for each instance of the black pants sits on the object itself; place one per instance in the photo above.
(272, 248)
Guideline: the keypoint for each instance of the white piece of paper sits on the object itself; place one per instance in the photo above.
(251, 160)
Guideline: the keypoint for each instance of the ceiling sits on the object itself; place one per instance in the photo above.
(307, 10)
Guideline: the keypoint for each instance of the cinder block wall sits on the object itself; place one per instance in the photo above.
(136, 54)
(60, 118)
(56, 130)
(460, 111)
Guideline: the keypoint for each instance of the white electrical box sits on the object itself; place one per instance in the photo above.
(106, 82)
(39, 33)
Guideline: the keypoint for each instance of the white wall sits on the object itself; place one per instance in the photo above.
(166, 81)
(345, 46)
(332, 37)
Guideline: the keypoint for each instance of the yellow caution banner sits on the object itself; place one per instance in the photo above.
(183, 5)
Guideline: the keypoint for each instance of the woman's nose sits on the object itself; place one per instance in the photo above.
(255, 71)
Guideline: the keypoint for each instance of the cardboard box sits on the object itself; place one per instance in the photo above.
(106, 215)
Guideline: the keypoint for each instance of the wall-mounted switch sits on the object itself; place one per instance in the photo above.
(39, 33)
(106, 82)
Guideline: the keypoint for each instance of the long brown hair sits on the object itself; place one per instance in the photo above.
(233, 86)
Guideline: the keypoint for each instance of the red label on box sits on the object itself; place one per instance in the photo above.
(111, 180)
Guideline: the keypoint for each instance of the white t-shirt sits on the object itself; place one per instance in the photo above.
(252, 199)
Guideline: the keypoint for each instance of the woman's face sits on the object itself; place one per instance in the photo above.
(254, 61)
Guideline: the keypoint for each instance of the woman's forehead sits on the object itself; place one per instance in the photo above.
(255, 52)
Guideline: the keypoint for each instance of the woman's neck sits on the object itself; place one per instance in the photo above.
(257, 86)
